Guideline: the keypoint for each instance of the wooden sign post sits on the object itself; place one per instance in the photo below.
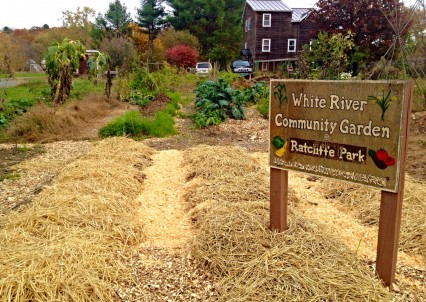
(352, 131)
(391, 207)
(278, 199)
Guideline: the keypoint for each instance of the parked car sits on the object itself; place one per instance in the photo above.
(203, 68)
(242, 67)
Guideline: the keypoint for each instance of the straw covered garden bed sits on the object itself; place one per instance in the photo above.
(66, 245)
(229, 204)
(363, 203)
(124, 222)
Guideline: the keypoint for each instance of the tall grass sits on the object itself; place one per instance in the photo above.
(133, 124)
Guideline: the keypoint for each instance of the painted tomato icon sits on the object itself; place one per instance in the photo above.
(389, 161)
(381, 158)
(382, 154)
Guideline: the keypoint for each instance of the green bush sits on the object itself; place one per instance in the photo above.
(262, 106)
(132, 124)
(259, 94)
(160, 126)
(228, 76)
(142, 80)
(140, 99)
(258, 91)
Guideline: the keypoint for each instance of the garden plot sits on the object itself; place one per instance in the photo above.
(127, 223)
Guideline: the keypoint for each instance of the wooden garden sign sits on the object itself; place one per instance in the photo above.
(354, 131)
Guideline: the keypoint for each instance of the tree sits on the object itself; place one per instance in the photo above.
(170, 38)
(182, 56)
(43, 39)
(7, 29)
(62, 60)
(151, 18)
(417, 40)
(216, 24)
(80, 20)
(117, 17)
(114, 22)
(140, 40)
(368, 20)
(120, 50)
(24, 39)
(331, 53)
(12, 56)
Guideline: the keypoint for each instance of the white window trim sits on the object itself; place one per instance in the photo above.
(245, 45)
(264, 66)
(270, 20)
(248, 24)
(266, 42)
(288, 45)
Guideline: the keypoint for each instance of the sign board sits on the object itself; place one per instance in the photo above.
(347, 130)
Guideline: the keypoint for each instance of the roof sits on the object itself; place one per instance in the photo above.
(268, 5)
(299, 14)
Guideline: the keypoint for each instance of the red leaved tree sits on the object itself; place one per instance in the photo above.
(368, 20)
(182, 56)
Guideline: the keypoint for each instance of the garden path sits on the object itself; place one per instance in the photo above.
(167, 224)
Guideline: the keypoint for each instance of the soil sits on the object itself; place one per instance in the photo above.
(163, 261)
(158, 103)
(15, 155)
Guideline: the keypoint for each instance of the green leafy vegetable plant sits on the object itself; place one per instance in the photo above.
(10, 109)
(215, 101)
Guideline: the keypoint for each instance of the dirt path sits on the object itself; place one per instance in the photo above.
(162, 267)
(163, 211)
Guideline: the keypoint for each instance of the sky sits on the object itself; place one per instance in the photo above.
(19, 14)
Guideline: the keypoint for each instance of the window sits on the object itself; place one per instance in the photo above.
(291, 45)
(247, 25)
(264, 65)
(266, 45)
(266, 20)
(245, 45)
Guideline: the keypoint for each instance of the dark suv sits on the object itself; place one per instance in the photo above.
(242, 67)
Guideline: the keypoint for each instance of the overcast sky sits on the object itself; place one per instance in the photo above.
(28, 13)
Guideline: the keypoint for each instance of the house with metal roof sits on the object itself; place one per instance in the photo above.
(273, 33)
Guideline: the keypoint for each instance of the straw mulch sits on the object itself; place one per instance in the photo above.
(66, 245)
(229, 194)
(364, 202)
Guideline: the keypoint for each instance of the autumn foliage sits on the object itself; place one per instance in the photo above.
(182, 56)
